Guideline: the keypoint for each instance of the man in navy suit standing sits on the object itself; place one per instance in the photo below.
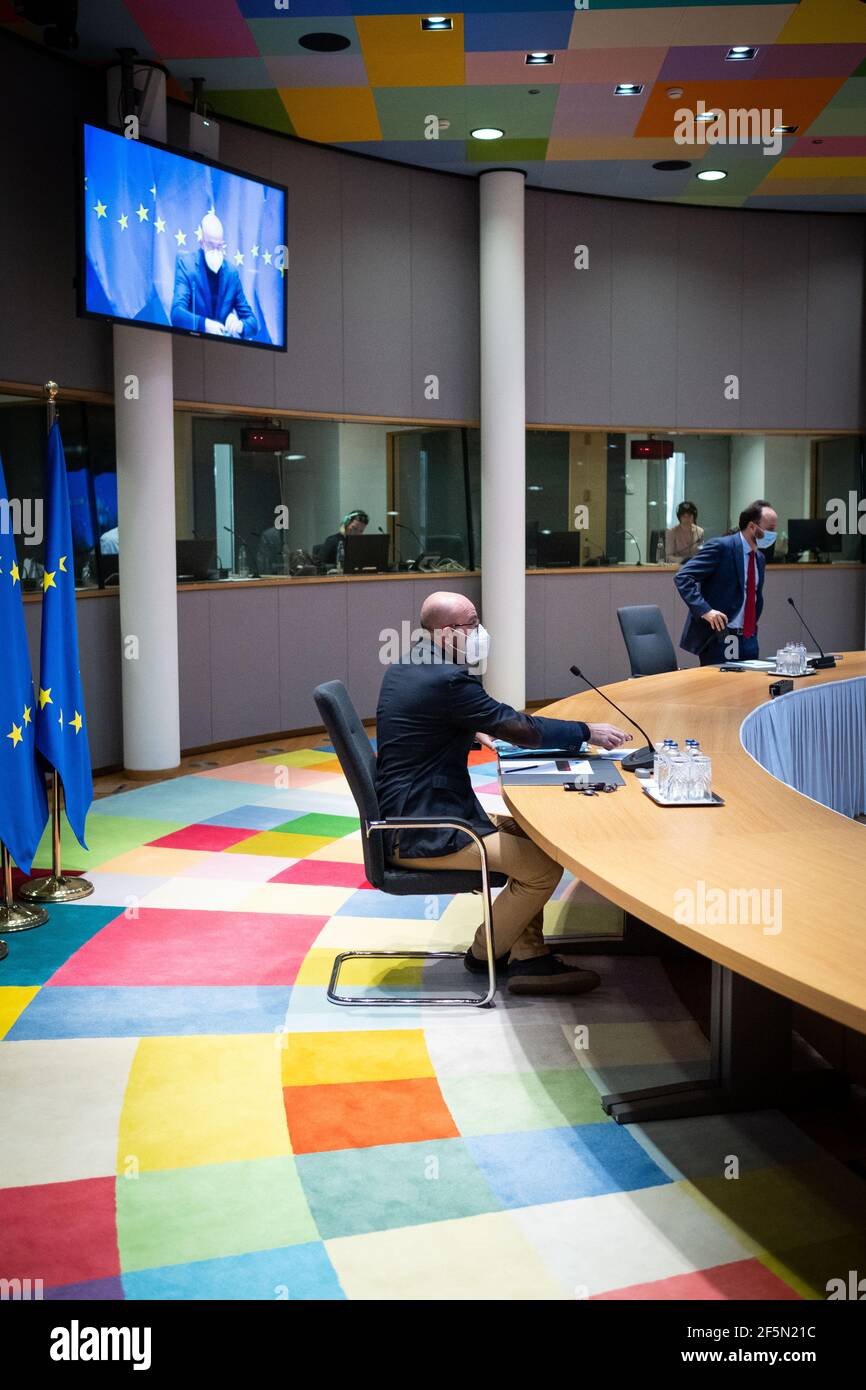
(723, 586)
(208, 295)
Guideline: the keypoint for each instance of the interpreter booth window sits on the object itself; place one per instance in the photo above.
(280, 498)
(87, 432)
(655, 498)
(434, 486)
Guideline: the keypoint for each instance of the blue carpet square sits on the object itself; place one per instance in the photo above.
(370, 902)
(90, 1291)
(293, 1273)
(35, 955)
(354, 1191)
(556, 1165)
(254, 817)
(121, 1011)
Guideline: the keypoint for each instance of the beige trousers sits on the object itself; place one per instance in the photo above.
(518, 911)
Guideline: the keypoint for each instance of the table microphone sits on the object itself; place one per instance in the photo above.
(641, 757)
(822, 662)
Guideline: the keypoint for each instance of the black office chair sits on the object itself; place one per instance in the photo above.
(647, 640)
(358, 762)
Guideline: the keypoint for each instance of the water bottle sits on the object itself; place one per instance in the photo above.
(670, 750)
(660, 549)
(657, 757)
(243, 562)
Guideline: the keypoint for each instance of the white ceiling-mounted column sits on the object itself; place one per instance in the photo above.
(144, 428)
(503, 432)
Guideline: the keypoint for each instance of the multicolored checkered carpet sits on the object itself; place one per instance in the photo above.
(185, 1116)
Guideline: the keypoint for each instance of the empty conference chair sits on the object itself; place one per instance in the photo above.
(358, 762)
(647, 640)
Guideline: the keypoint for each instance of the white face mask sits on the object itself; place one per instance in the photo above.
(477, 647)
(214, 259)
(766, 540)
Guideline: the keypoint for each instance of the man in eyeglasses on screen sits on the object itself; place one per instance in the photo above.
(208, 294)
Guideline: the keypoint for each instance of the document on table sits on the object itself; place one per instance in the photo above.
(575, 767)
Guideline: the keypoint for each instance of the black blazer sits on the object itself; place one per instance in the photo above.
(192, 296)
(714, 579)
(429, 711)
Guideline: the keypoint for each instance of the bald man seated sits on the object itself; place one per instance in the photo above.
(431, 710)
(208, 295)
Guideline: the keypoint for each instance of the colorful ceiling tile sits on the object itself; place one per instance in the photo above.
(364, 75)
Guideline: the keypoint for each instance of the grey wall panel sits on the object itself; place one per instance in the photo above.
(775, 289)
(534, 239)
(778, 623)
(309, 375)
(40, 335)
(445, 296)
(709, 300)
(238, 375)
(245, 663)
(835, 376)
(373, 608)
(644, 319)
(313, 647)
(194, 666)
(833, 604)
(377, 288)
(576, 630)
(577, 311)
(188, 364)
(536, 641)
(99, 655)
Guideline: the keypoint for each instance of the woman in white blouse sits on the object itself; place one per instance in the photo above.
(684, 540)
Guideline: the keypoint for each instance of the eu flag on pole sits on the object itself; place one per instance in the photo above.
(23, 804)
(61, 731)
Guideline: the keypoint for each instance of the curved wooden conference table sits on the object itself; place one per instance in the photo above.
(766, 836)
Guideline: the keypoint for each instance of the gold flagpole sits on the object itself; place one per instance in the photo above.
(56, 887)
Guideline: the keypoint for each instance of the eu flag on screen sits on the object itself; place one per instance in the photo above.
(23, 804)
(61, 729)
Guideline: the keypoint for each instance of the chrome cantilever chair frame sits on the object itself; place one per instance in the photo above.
(457, 1001)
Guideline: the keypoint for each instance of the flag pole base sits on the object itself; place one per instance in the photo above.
(16, 916)
(55, 889)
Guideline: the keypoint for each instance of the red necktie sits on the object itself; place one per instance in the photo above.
(749, 623)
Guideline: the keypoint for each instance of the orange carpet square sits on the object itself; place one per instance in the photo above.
(363, 1114)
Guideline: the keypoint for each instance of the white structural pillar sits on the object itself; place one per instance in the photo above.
(144, 426)
(503, 432)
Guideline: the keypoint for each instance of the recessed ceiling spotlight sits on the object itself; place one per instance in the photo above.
(742, 53)
(628, 89)
(436, 21)
(294, 458)
(487, 132)
(325, 42)
(785, 129)
(672, 166)
(536, 59)
(712, 175)
(675, 92)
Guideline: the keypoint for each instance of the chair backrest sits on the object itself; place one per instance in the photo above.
(647, 640)
(358, 762)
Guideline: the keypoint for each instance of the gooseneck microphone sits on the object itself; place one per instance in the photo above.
(641, 757)
(822, 662)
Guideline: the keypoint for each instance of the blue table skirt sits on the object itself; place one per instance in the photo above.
(814, 739)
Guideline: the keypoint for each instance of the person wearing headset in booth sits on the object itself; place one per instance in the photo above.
(330, 551)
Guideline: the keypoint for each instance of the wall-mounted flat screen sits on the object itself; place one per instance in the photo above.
(175, 242)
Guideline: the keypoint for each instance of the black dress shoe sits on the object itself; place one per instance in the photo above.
(548, 975)
(479, 967)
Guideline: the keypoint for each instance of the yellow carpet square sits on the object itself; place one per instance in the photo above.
(197, 1100)
(13, 1001)
(317, 967)
(279, 844)
(315, 1059)
(153, 861)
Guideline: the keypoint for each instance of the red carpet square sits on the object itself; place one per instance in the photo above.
(744, 1279)
(362, 1114)
(328, 872)
(60, 1232)
(166, 946)
(206, 837)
